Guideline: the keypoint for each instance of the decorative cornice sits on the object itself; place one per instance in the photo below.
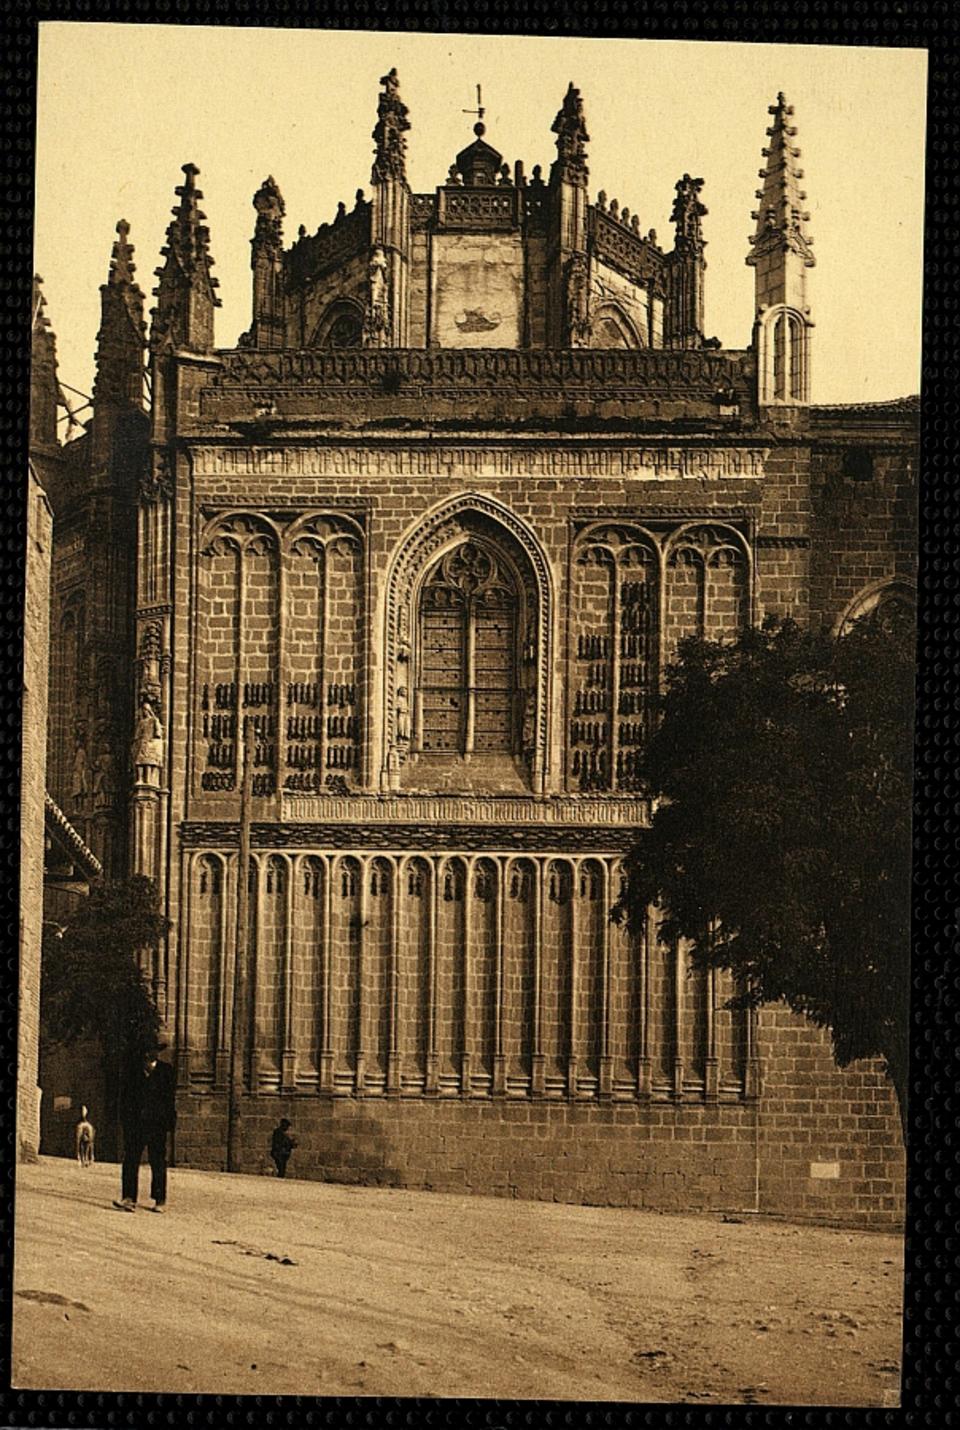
(424, 385)
(312, 255)
(440, 837)
(624, 248)
(59, 827)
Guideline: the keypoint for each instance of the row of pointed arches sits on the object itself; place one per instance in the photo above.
(450, 974)
(459, 652)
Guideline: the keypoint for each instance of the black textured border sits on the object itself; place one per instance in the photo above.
(931, 1349)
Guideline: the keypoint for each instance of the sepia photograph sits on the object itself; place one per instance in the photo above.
(469, 658)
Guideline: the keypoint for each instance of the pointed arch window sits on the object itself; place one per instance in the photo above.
(467, 680)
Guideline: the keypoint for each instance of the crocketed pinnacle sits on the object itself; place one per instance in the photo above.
(570, 127)
(188, 238)
(40, 319)
(122, 266)
(687, 213)
(120, 340)
(388, 136)
(268, 202)
(781, 216)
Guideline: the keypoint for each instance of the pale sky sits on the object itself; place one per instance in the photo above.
(122, 107)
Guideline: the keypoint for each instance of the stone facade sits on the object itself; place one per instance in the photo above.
(423, 543)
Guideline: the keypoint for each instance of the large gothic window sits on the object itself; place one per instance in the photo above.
(341, 326)
(467, 687)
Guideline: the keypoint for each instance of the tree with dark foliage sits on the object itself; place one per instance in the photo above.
(780, 845)
(92, 987)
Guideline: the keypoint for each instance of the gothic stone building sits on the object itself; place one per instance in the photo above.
(430, 533)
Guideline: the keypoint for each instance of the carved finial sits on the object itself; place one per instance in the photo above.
(188, 238)
(40, 319)
(687, 213)
(120, 339)
(268, 202)
(392, 123)
(780, 215)
(186, 268)
(570, 128)
(268, 199)
(122, 266)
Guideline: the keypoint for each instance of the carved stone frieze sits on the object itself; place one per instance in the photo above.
(600, 373)
(668, 463)
(325, 832)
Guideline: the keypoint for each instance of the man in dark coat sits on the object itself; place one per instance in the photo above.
(282, 1144)
(148, 1115)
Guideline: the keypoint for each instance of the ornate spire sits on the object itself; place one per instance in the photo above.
(186, 296)
(266, 260)
(44, 390)
(268, 202)
(188, 238)
(687, 213)
(392, 124)
(781, 217)
(570, 127)
(120, 341)
(122, 266)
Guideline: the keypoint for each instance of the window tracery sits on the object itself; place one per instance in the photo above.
(637, 592)
(468, 611)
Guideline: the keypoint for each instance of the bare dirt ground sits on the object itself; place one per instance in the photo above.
(253, 1287)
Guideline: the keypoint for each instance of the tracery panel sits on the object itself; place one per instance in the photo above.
(376, 992)
(518, 971)
(483, 893)
(453, 948)
(415, 893)
(205, 962)
(345, 969)
(591, 918)
(626, 1002)
(270, 953)
(468, 680)
(614, 634)
(309, 936)
(557, 942)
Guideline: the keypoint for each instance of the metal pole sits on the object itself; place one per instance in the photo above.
(238, 1020)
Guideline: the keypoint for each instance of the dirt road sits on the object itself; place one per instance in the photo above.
(253, 1286)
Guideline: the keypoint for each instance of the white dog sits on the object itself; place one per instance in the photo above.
(86, 1140)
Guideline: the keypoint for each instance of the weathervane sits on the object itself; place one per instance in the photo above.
(479, 127)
